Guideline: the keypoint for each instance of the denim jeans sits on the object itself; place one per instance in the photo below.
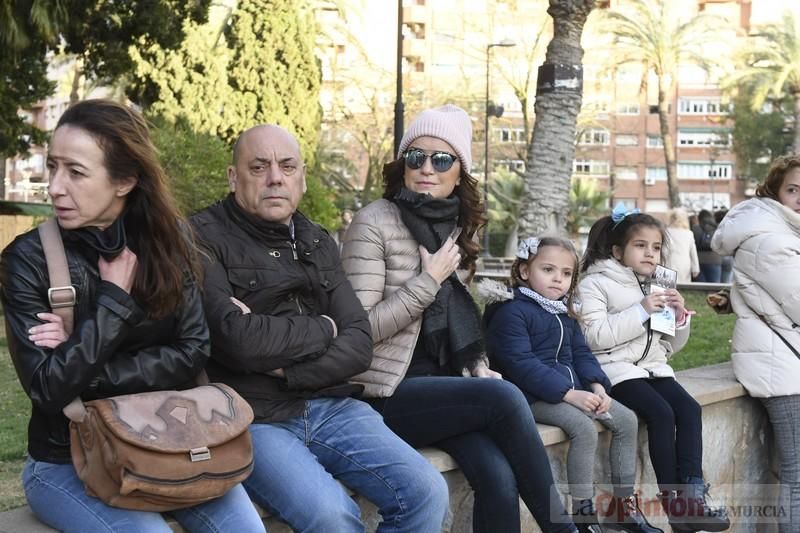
(710, 273)
(488, 428)
(784, 415)
(57, 497)
(298, 462)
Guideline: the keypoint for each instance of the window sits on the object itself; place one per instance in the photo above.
(627, 140)
(511, 135)
(589, 166)
(595, 136)
(700, 106)
(655, 141)
(510, 164)
(629, 203)
(595, 106)
(629, 108)
(704, 171)
(703, 137)
(695, 201)
(656, 206)
(626, 173)
(656, 173)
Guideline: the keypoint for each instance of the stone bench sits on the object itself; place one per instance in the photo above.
(736, 459)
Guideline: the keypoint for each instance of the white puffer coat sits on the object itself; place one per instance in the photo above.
(381, 259)
(610, 294)
(764, 237)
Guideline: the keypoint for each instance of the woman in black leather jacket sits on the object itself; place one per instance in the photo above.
(139, 324)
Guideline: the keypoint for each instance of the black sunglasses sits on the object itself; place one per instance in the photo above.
(441, 161)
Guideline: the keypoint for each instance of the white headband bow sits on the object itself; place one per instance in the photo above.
(528, 247)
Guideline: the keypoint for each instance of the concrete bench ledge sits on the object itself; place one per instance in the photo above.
(708, 385)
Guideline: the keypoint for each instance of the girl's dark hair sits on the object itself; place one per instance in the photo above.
(605, 234)
(777, 171)
(166, 252)
(560, 242)
(471, 216)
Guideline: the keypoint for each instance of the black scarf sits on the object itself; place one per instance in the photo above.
(255, 226)
(451, 325)
(108, 242)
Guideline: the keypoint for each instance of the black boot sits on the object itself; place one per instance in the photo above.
(585, 517)
(626, 516)
(689, 508)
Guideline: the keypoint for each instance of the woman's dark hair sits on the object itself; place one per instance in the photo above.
(777, 171)
(565, 244)
(166, 251)
(605, 234)
(705, 217)
(471, 216)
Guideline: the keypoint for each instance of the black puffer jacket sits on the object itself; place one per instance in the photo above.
(287, 284)
(114, 349)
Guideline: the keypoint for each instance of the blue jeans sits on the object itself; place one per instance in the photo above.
(486, 425)
(710, 273)
(298, 462)
(57, 497)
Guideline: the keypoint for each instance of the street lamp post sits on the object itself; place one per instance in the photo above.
(504, 43)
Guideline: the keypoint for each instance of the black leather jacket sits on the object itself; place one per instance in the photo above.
(287, 284)
(114, 349)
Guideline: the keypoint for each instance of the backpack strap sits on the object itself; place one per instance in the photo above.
(61, 294)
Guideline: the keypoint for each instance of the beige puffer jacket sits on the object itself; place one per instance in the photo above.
(382, 262)
(610, 294)
(765, 237)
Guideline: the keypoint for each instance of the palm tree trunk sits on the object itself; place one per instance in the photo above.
(796, 142)
(664, 90)
(559, 87)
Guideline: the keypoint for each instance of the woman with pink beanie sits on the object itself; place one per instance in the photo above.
(406, 255)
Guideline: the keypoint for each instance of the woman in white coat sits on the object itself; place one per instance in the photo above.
(681, 254)
(763, 234)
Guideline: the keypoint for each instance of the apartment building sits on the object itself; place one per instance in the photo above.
(445, 57)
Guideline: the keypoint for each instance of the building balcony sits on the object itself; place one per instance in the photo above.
(415, 47)
(415, 14)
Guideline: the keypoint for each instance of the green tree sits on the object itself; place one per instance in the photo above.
(26, 28)
(195, 163)
(758, 135)
(769, 63)
(273, 72)
(505, 190)
(653, 34)
(189, 83)
(275, 78)
(587, 203)
(558, 102)
(101, 34)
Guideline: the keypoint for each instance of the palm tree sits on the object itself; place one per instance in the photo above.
(770, 66)
(558, 102)
(587, 203)
(18, 20)
(505, 191)
(653, 34)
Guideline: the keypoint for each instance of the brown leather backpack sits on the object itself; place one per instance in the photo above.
(152, 451)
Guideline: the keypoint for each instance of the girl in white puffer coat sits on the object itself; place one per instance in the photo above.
(763, 233)
(621, 257)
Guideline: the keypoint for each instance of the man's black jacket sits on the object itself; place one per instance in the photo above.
(287, 283)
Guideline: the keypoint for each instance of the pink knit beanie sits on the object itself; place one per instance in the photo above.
(449, 123)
